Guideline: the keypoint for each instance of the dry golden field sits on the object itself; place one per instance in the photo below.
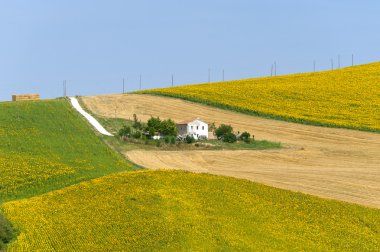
(333, 163)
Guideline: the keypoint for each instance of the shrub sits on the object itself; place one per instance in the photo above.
(229, 138)
(137, 134)
(245, 137)
(7, 233)
(190, 139)
(158, 143)
(172, 140)
(136, 123)
(125, 131)
(167, 139)
(222, 130)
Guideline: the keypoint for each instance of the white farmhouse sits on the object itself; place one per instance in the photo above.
(195, 127)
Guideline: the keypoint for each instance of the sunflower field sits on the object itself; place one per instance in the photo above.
(180, 211)
(348, 97)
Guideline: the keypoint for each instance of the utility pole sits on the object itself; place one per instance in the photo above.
(209, 75)
(123, 85)
(140, 81)
(332, 64)
(275, 68)
(352, 59)
(338, 61)
(271, 70)
(223, 74)
(314, 66)
(172, 80)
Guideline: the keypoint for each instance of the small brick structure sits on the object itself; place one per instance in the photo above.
(26, 97)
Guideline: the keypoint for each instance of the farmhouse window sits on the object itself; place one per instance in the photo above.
(197, 127)
(203, 127)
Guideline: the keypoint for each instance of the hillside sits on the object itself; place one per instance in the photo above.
(329, 162)
(46, 145)
(348, 97)
(167, 210)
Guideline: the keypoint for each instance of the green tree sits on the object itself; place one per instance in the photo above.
(168, 128)
(229, 138)
(245, 136)
(222, 130)
(125, 131)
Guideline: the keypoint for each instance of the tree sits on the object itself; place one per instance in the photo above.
(168, 128)
(155, 123)
(125, 131)
(222, 130)
(136, 123)
(245, 137)
(229, 137)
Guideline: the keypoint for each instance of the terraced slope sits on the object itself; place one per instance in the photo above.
(46, 145)
(348, 97)
(168, 210)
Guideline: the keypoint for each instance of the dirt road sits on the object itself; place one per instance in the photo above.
(331, 163)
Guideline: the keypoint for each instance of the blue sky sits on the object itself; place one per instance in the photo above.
(94, 44)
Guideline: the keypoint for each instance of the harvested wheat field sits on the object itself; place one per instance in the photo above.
(332, 163)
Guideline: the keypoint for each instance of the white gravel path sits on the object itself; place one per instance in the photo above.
(89, 117)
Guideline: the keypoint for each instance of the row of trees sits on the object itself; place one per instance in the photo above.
(225, 133)
(154, 126)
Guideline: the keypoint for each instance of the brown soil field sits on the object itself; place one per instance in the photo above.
(332, 163)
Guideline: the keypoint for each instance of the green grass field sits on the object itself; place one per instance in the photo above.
(177, 211)
(46, 145)
(345, 98)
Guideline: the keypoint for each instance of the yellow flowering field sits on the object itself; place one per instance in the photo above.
(348, 97)
(177, 211)
(46, 145)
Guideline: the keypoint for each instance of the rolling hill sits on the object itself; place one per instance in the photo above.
(180, 211)
(348, 97)
(46, 145)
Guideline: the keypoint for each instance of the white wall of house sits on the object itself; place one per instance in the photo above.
(197, 128)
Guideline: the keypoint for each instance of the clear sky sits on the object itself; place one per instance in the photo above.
(93, 44)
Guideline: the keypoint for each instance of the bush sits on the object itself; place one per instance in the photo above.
(7, 233)
(136, 123)
(125, 131)
(190, 139)
(167, 139)
(223, 130)
(137, 134)
(172, 140)
(158, 143)
(245, 137)
(229, 138)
